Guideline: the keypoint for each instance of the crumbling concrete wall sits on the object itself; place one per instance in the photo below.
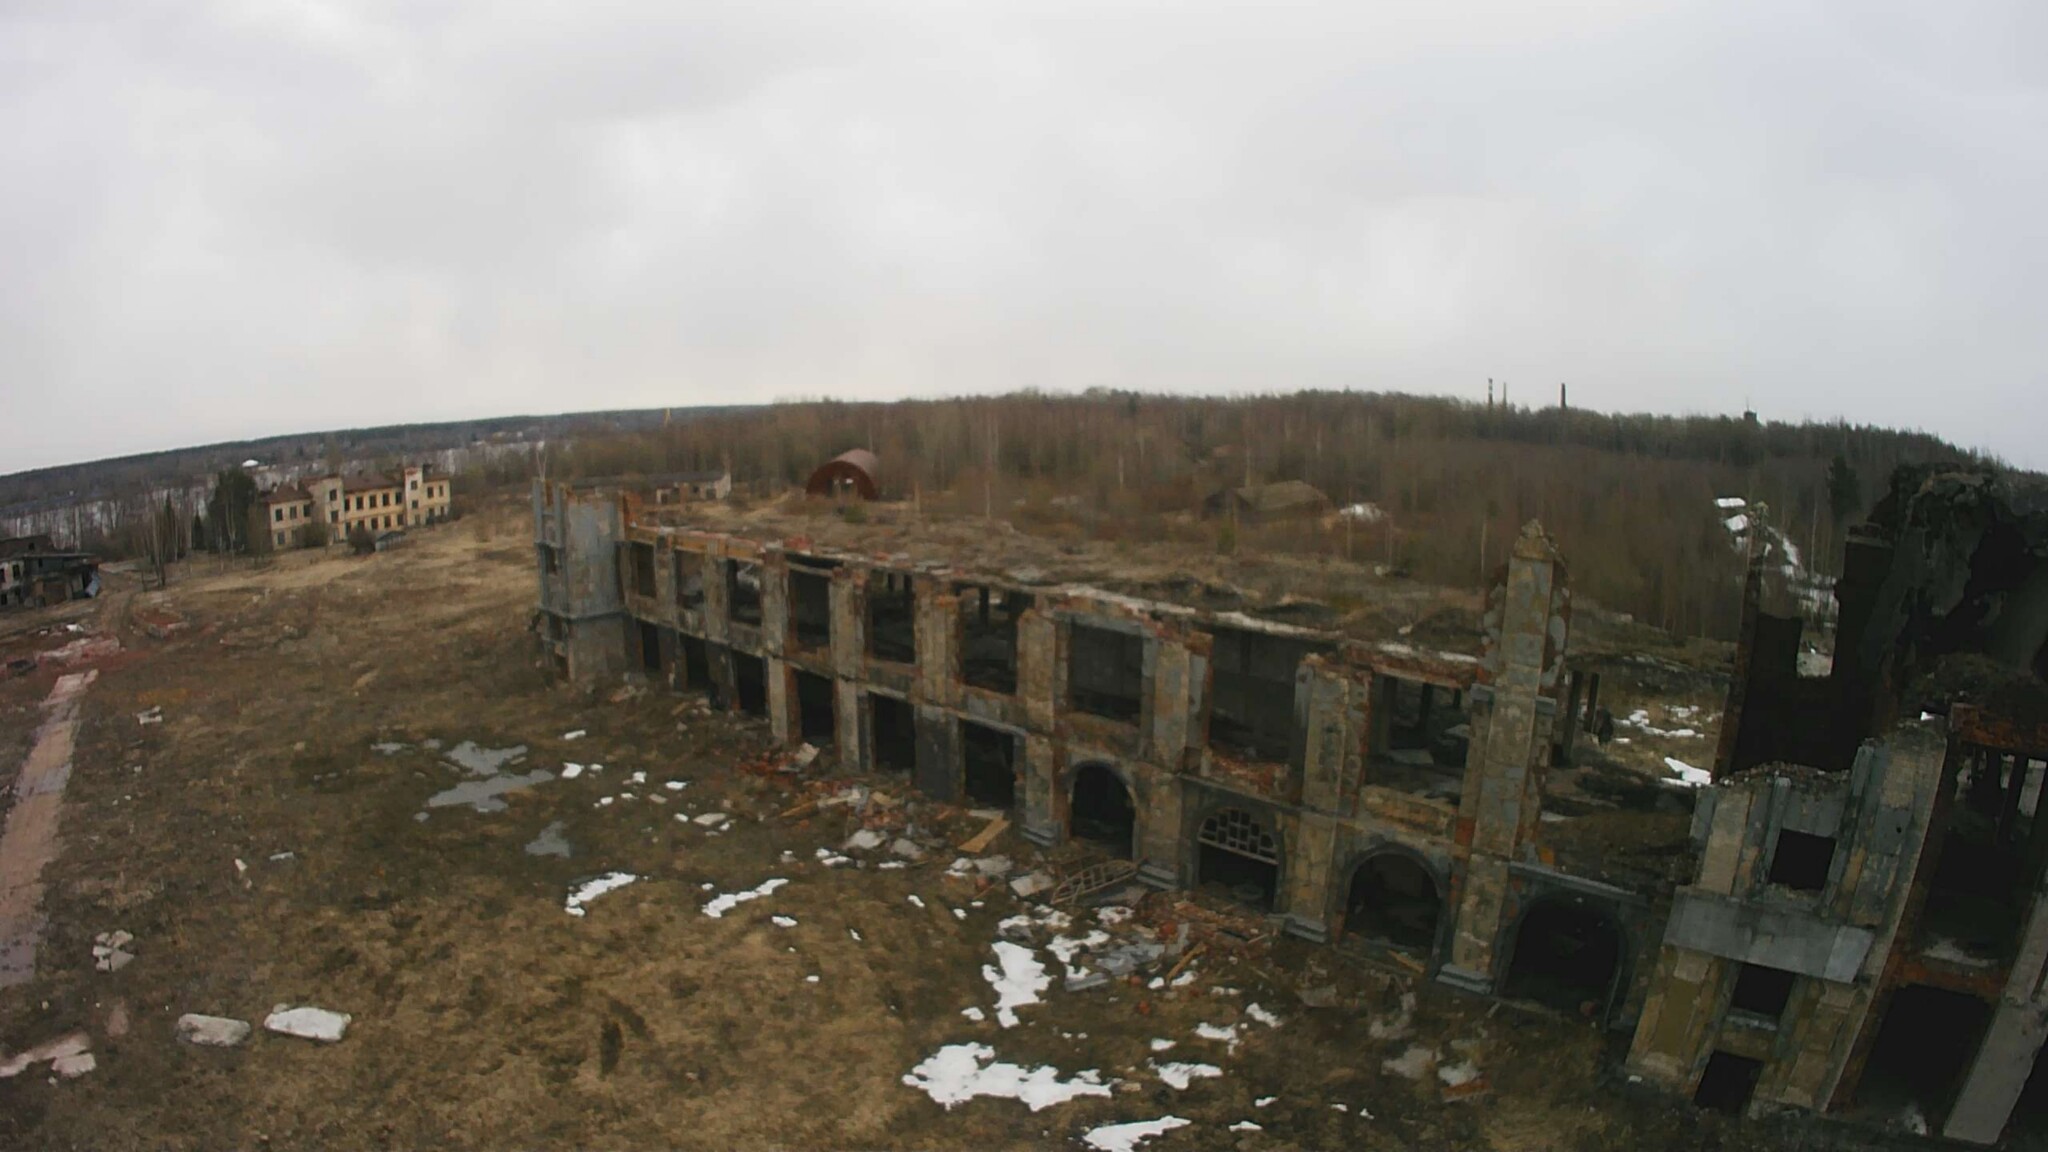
(1837, 940)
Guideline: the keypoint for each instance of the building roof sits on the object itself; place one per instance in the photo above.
(369, 482)
(1284, 496)
(857, 466)
(22, 545)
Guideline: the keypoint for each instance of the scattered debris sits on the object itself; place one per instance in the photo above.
(863, 840)
(723, 904)
(1126, 1137)
(153, 715)
(68, 1056)
(958, 1073)
(1413, 1064)
(307, 1023)
(987, 836)
(590, 890)
(1030, 884)
(110, 951)
(212, 1031)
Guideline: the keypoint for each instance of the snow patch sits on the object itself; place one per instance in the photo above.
(958, 1073)
(1125, 1137)
(590, 890)
(723, 904)
(1018, 981)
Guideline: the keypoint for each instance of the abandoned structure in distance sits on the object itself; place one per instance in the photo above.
(1865, 863)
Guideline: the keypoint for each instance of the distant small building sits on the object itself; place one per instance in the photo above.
(33, 572)
(14, 569)
(1264, 503)
(685, 487)
(854, 472)
(372, 502)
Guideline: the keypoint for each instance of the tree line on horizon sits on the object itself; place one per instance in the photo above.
(1630, 499)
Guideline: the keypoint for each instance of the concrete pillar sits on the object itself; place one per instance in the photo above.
(1325, 697)
(1311, 862)
(1677, 1017)
(849, 621)
(938, 754)
(1038, 668)
(1158, 838)
(782, 701)
(850, 724)
(1999, 1072)
(717, 600)
(1172, 722)
(775, 638)
(938, 641)
(1044, 808)
(725, 678)
(1480, 904)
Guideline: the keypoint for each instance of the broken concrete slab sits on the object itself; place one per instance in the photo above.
(212, 1031)
(66, 1048)
(1031, 884)
(863, 840)
(307, 1023)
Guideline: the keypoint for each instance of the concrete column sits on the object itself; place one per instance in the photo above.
(717, 600)
(1677, 1017)
(938, 641)
(725, 678)
(1044, 808)
(1157, 840)
(1037, 668)
(775, 638)
(938, 754)
(849, 621)
(1172, 723)
(849, 724)
(1324, 696)
(1480, 905)
(1999, 1072)
(782, 702)
(1311, 860)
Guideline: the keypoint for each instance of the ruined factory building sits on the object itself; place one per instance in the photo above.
(1863, 932)
(854, 472)
(1261, 503)
(1867, 931)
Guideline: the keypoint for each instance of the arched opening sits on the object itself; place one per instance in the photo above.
(1102, 811)
(1238, 854)
(1393, 900)
(1566, 956)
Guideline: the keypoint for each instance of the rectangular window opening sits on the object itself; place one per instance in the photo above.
(1801, 860)
(1251, 713)
(895, 732)
(643, 569)
(1106, 672)
(1762, 991)
(810, 608)
(990, 756)
(988, 636)
(1419, 736)
(892, 617)
(743, 592)
(815, 708)
(689, 580)
(750, 683)
(1728, 1083)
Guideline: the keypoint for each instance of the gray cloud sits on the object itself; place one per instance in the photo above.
(238, 218)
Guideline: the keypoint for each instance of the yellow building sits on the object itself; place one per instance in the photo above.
(372, 502)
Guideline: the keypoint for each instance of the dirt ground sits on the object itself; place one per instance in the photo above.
(263, 850)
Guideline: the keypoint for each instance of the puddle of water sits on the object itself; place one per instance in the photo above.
(479, 761)
(550, 842)
(483, 795)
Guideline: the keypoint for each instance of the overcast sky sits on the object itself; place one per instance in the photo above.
(227, 219)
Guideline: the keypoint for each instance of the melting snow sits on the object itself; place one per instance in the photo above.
(571, 771)
(591, 889)
(723, 904)
(1162, 1045)
(783, 921)
(1262, 1015)
(1217, 1032)
(958, 1073)
(1688, 775)
(1181, 1075)
(1125, 1137)
(974, 1014)
(1017, 982)
(1246, 1126)
(576, 735)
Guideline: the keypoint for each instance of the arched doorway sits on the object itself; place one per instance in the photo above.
(1393, 900)
(1237, 853)
(1567, 955)
(1102, 811)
